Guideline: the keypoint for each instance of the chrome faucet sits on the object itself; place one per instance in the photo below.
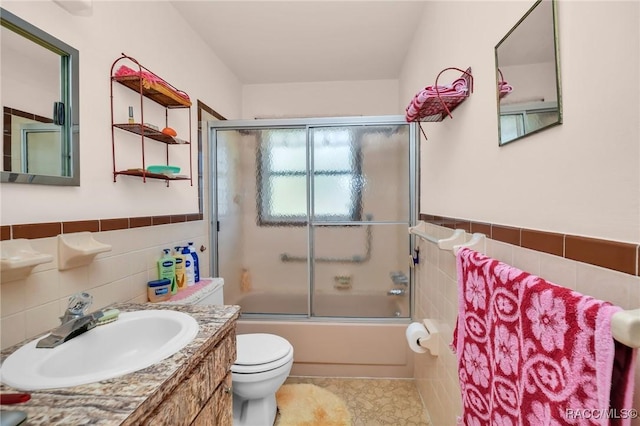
(70, 329)
(77, 307)
(396, 292)
(399, 278)
(75, 321)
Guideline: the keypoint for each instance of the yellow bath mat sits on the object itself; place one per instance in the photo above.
(304, 404)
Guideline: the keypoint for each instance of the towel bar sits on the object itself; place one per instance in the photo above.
(454, 243)
(625, 325)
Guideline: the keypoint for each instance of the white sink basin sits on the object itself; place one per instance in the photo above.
(136, 340)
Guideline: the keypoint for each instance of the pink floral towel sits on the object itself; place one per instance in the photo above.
(429, 100)
(534, 353)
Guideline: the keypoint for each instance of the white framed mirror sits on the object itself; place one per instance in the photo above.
(528, 75)
(39, 82)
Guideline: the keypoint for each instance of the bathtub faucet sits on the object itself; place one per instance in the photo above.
(396, 292)
(399, 278)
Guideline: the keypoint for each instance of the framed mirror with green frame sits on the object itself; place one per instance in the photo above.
(40, 99)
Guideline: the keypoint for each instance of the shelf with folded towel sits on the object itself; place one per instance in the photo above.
(454, 242)
(504, 88)
(434, 103)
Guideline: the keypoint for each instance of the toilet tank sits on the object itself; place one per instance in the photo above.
(208, 291)
(216, 296)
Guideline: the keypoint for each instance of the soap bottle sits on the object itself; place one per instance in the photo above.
(196, 264)
(188, 267)
(167, 269)
(181, 279)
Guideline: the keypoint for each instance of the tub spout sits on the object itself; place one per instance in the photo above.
(396, 292)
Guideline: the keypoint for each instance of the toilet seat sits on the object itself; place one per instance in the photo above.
(260, 352)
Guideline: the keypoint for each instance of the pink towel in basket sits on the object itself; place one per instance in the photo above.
(423, 103)
(534, 353)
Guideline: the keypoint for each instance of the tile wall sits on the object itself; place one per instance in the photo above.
(31, 306)
(436, 297)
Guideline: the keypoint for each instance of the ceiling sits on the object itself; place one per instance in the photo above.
(292, 41)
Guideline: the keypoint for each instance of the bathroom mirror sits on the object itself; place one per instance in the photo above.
(39, 85)
(528, 75)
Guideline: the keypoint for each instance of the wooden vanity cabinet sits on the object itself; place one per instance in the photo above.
(218, 411)
(205, 397)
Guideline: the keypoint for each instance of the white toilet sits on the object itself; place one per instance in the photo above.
(263, 363)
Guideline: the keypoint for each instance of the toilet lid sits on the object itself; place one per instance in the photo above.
(260, 348)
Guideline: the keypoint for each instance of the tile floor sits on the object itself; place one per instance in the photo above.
(376, 402)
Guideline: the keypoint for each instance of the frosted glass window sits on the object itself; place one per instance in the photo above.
(283, 175)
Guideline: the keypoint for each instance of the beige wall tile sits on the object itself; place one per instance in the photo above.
(13, 329)
(559, 270)
(118, 275)
(605, 284)
(527, 260)
(13, 298)
(437, 381)
(42, 318)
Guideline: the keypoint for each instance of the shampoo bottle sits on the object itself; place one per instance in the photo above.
(181, 279)
(167, 269)
(196, 264)
(188, 267)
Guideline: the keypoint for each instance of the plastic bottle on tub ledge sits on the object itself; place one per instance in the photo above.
(196, 263)
(189, 267)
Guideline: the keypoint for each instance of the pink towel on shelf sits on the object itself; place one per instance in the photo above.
(125, 71)
(534, 353)
(423, 105)
(504, 88)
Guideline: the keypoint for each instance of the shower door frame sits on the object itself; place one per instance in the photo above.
(307, 124)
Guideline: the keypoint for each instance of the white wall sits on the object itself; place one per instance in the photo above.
(581, 177)
(154, 34)
(320, 99)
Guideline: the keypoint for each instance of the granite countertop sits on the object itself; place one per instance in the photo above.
(134, 395)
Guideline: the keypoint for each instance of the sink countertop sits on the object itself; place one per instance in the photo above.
(126, 399)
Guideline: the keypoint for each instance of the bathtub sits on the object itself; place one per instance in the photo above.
(341, 346)
(326, 305)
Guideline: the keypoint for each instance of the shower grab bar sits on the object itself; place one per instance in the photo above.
(625, 325)
(284, 257)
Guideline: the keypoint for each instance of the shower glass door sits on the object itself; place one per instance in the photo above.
(310, 216)
(360, 211)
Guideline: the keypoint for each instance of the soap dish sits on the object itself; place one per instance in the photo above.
(163, 170)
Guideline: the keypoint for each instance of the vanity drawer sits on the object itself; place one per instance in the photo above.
(218, 411)
(186, 400)
(204, 390)
(225, 356)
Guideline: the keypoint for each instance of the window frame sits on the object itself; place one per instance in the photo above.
(263, 175)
